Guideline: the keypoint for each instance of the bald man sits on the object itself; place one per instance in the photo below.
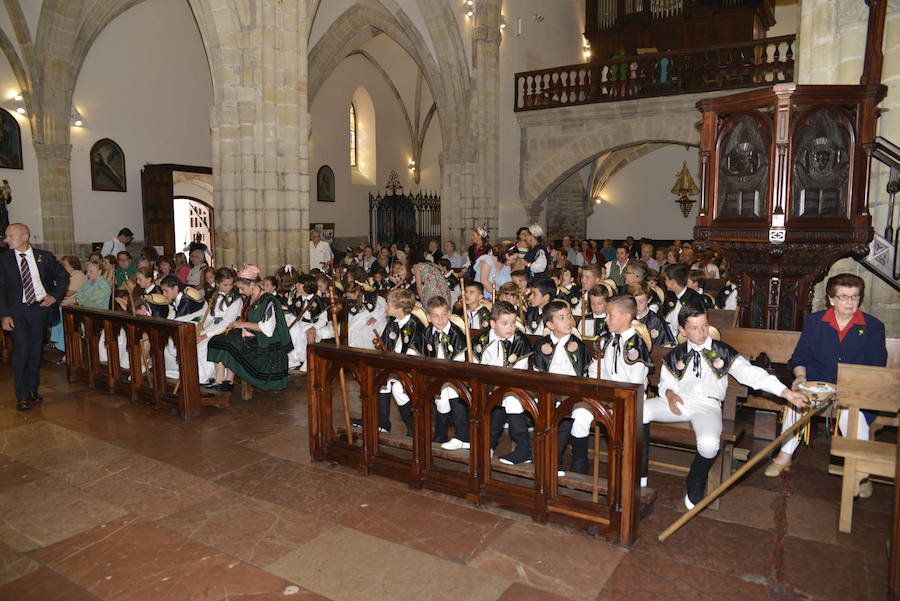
(31, 283)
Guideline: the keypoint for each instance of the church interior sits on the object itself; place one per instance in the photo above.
(295, 225)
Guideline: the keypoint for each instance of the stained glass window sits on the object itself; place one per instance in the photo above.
(354, 155)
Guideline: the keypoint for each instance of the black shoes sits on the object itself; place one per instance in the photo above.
(211, 383)
(221, 387)
(29, 402)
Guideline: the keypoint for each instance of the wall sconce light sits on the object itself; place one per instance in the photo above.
(15, 103)
(412, 166)
(75, 118)
(599, 200)
(502, 22)
(469, 8)
(586, 50)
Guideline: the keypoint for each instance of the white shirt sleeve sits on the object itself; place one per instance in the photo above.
(107, 248)
(666, 381)
(755, 377)
(268, 323)
(540, 263)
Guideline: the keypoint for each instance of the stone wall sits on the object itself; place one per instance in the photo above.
(566, 214)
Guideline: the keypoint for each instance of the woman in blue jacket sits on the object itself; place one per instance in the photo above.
(839, 334)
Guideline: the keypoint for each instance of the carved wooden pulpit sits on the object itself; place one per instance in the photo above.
(784, 175)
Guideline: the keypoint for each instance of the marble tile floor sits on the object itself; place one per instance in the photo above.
(102, 499)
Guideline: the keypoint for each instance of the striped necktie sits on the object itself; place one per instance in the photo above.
(27, 284)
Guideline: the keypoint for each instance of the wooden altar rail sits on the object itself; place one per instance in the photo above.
(750, 64)
(82, 333)
(618, 407)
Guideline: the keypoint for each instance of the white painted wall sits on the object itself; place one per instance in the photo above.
(145, 84)
(329, 140)
(638, 200)
(26, 205)
(551, 42)
(787, 18)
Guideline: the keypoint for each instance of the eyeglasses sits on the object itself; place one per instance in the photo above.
(846, 297)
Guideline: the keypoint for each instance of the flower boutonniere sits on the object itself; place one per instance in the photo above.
(407, 330)
(445, 338)
(861, 330)
(39, 259)
(710, 354)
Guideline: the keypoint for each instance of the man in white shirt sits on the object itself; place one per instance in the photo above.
(118, 244)
(320, 253)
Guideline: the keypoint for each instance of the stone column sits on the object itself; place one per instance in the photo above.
(470, 183)
(55, 181)
(260, 132)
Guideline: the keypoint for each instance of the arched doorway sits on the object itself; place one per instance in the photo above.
(193, 223)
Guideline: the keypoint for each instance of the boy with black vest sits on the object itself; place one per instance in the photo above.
(443, 339)
(692, 385)
(505, 346)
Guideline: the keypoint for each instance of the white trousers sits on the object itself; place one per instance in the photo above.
(442, 401)
(705, 416)
(791, 416)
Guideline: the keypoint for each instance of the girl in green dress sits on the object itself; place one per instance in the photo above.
(255, 348)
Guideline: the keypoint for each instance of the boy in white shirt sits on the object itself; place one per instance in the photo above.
(692, 385)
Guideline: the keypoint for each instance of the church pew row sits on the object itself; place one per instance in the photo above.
(617, 407)
(147, 382)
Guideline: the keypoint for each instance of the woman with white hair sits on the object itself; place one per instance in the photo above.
(198, 263)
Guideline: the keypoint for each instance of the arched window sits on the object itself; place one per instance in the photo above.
(354, 154)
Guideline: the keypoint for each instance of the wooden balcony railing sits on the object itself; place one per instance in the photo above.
(723, 67)
(534, 489)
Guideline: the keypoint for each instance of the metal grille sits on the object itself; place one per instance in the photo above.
(413, 219)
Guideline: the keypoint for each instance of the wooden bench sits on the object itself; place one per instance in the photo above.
(778, 345)
(864, 387)
(148, 381)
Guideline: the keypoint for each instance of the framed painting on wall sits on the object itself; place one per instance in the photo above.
(107, 166)
(325, 184)
(10, 141)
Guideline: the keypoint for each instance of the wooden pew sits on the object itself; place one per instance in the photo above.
(82, 329)
(618, 407)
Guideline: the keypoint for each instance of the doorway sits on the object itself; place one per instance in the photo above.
(193, 223)
(177, 203)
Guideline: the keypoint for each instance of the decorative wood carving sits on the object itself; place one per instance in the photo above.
(782, 227)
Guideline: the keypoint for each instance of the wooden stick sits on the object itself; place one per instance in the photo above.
(337, 341)
(300, 314)
(595, 491)
(200, 325)
(584, 301)
(145, 361)
(466, 322)
(746, 467)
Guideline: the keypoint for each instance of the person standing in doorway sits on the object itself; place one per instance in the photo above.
(31, 283)
(320, 253)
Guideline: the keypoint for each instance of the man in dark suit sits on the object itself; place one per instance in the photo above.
(31, 283)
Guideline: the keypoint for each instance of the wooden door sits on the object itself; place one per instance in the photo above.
(159, 214)
(158, 194)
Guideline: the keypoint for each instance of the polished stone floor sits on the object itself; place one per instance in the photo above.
(101, 499)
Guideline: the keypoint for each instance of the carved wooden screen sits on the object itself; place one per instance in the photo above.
(821, 166)
(743, 168)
